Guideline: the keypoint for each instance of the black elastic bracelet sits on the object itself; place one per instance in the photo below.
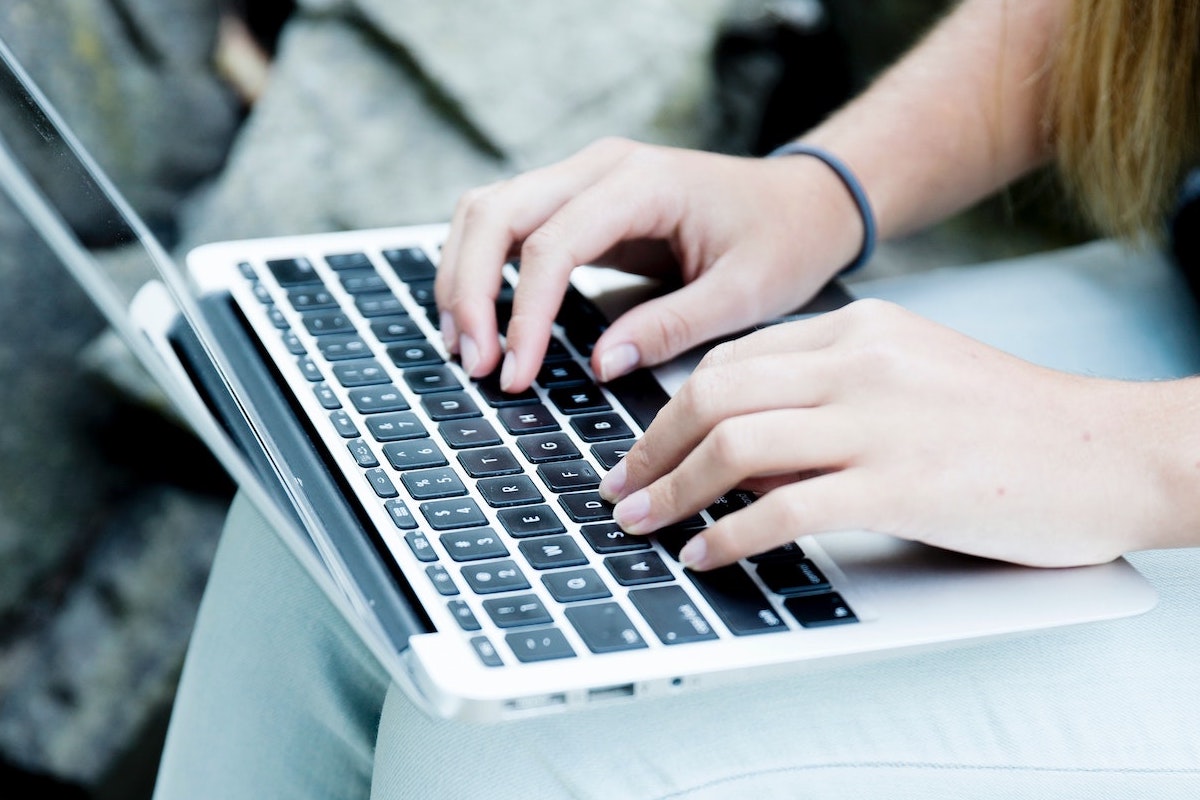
(856, 192)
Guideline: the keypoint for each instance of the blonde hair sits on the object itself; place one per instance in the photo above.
(1125, 111)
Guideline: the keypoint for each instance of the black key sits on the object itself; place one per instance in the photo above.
(635, 569)
(672, 538)
(494, 396)
(738, 601)
(381, 483)
(363, 372)
(410, 264)
(311, 298)
(586, 506)
(574, 585)
(790, 551)
(364, 456)
(430, 484)
(326, 397)
(447, 515)
(293, 344)
(401, 516)
(473, 545)
(385, 305)
(579, 399)
(516, 611)
(581, 320)
(422, 292)
(569, 476)
(605, 628)
(441, 580)
(324, 323)
(561, 373)
(640, 394)
(278, 319)
(310, 369)
(395, 328)
(520, 420)
(730, 502)
(495, 576)
(544, 447)
(460, 434)
(819, 610)
(672, 615)
(262, 294)
(530, 521)
(345, 426)
(420, 546)
(607, 537)
(377, 399)
(414, 354)
(362, 281)
(509, 490)
(449, 405)
(549, 552)
(556, 350)
(601, 427)
(247, 271)
(486, 651)
(343, 347)
(463, 615)
(414, 454)
(431, 379)
(488, 462)
(340, 261)
(395, 426)
(793, 577)
(609, 454)
(292, 271)
(540, 645)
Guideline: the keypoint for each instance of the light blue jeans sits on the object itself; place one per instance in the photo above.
(278, 699)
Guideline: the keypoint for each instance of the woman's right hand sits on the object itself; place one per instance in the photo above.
(750, 239)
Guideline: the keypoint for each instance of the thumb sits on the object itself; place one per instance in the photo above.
(662, 328)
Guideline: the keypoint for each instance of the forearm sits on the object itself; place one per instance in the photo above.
(957, 118)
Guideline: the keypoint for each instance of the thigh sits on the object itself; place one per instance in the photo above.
(277, 697)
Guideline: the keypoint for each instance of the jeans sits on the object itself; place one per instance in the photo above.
(279, 699)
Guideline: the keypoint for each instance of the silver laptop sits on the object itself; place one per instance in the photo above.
(458, 528)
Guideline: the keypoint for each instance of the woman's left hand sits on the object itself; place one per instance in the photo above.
(871, 417)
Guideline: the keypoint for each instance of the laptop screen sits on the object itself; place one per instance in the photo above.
(53, 182)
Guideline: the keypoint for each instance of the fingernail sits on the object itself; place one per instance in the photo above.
(449, 332)
(631, 512)
(618, 360)
(693, 553)
(469, 354)
(613, 483)
(506, 371)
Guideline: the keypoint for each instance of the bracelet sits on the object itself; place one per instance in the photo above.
(856, 192)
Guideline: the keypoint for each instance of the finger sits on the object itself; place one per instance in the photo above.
(836, 501)
(721, 391)
(624, 204)
(765, 444)
(486, 227)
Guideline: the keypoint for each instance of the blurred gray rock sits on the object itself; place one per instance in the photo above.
(135, 81)
(382, 112)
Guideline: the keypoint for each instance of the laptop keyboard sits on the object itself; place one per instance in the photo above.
(495, 495)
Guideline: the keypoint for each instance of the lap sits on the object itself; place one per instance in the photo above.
(1100, 708)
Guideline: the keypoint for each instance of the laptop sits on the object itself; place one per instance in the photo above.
(457, 528)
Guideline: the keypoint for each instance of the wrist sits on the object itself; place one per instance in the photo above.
(853, 187)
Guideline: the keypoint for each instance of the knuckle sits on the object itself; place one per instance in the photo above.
(728, 443)
(675, 332)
